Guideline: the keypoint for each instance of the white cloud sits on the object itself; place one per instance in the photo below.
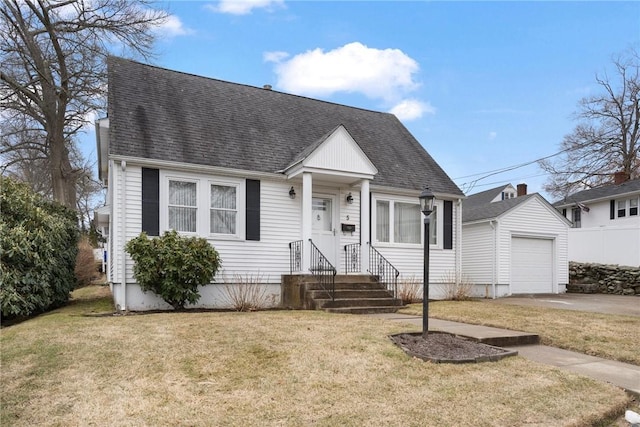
(276, 56)
(354, 67)
(243, 7)
(411, 109)
(492, 135)
(173, 26)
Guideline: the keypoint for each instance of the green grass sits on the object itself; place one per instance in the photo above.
(613, 337)
(267, 368)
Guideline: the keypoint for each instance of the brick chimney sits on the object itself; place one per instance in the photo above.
(522, 189)
(620, 177)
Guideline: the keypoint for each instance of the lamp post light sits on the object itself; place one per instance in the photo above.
(426, 205)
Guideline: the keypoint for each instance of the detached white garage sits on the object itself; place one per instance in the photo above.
(514, 246)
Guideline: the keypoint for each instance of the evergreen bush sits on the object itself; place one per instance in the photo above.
(173, 266)
(38, 248)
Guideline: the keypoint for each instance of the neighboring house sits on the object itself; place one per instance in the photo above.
(606, 223)
(513, 243)
(259, 173)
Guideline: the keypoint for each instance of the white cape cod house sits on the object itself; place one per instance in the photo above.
(270, 179)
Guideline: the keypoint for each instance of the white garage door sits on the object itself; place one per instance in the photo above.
(531, 265)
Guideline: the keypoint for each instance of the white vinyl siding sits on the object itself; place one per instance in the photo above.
(478, 254)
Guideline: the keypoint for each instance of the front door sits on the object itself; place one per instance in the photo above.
(324, 234)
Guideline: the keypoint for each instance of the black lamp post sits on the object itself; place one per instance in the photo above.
(426, 205)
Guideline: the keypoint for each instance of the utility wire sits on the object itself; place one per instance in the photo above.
(472, 184)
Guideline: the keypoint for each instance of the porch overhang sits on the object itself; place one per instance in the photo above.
(335, 158)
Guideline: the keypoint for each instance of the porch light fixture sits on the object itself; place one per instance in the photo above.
(426, 205)
(292, 193)
(349, 198)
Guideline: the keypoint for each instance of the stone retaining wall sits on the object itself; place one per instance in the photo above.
(603, 279)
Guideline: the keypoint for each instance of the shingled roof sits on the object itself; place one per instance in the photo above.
(604, 192)
(486, 211)
(161, 114)
(483, 197)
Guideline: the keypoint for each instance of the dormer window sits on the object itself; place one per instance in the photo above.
(508, 195)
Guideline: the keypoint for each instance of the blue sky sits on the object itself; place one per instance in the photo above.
(482, 85)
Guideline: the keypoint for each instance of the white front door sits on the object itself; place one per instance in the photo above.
(324, 233)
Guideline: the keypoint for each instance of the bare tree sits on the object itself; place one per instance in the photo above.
(607, 139)
(53, 74)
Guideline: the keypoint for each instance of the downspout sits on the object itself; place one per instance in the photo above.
(493, 224)
(459, 242)
(123, 222)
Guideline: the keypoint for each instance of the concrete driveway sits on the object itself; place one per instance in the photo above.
(598, 303)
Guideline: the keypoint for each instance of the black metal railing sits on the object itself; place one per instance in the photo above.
(352, 258)
(295, 256)
(323, 270)
(386, 273)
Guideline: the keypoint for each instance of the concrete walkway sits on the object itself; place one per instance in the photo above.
(623, 375)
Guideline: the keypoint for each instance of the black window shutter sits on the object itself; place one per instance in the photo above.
(253, 209)
(447, 242)
(612, 209)
(564, 212)
(151, 201)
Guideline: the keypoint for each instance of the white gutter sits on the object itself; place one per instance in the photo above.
(123, 222)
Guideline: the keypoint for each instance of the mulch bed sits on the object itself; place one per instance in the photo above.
(440, 347)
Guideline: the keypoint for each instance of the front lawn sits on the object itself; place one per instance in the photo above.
(280, 368)
(609, 336)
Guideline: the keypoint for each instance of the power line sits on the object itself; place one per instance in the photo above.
(471, 184)
(508, 168)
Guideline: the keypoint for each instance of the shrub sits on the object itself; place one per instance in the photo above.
(455, 289)
(410, 290)
(38, 247)
(173, 266)
(86, 269)
(247, 293)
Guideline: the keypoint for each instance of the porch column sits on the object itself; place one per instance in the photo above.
(307, 190)
(365, 210)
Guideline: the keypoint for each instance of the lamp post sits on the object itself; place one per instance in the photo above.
(426, 205)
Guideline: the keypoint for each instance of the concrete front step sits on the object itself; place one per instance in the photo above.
(315, 286)
(349, 293)
(357, 302)
(363, 310)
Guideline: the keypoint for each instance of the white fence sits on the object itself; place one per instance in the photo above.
(605, 245)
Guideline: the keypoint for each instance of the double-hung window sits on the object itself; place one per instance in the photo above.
(576, 217)
(223, 211)
(622, 208)
(406, 224)
(183, 205)
(633, 207)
